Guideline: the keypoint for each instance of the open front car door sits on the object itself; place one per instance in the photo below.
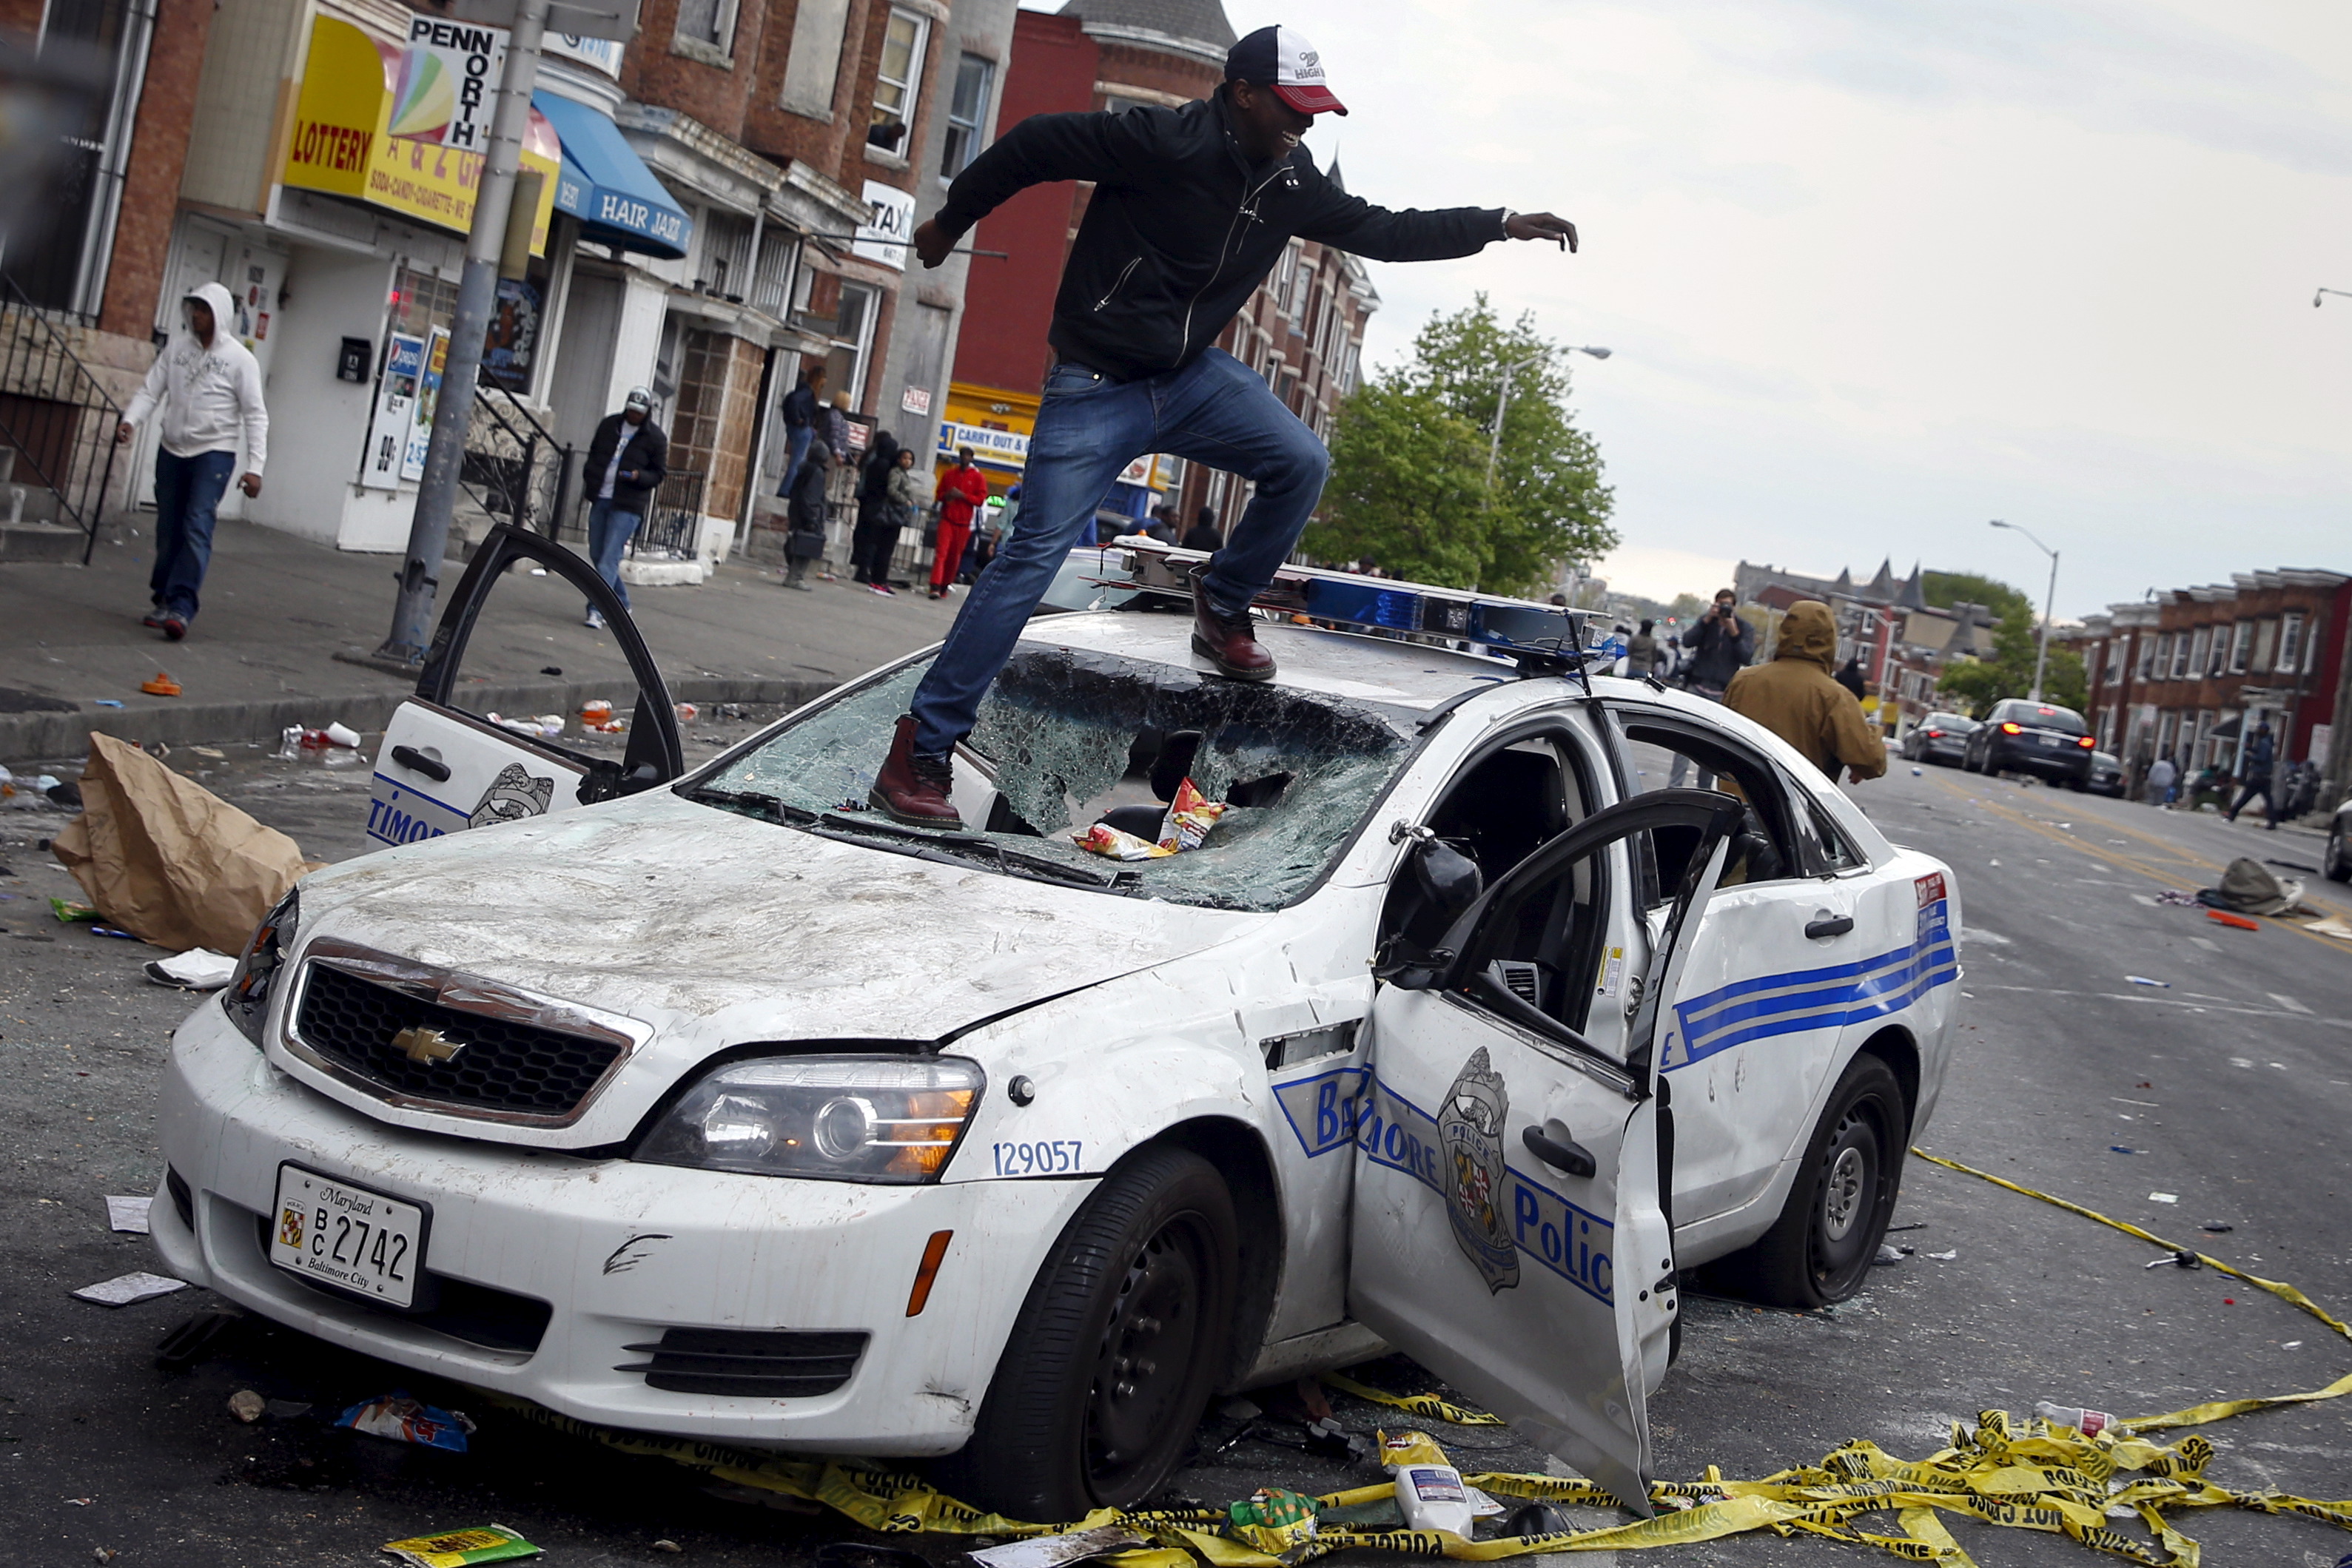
(443, 767)
(1508, 1231)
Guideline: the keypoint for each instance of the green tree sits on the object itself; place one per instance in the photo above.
(1978, 683)
(1945, 588)
(1405, 442)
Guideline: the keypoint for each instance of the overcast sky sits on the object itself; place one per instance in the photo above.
(1875, 271)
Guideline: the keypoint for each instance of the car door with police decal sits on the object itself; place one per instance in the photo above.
(444, 768)
(1508, 1228)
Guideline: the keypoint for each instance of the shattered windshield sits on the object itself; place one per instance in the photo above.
(1069, 737)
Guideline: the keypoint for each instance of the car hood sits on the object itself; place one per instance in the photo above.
(713, 929)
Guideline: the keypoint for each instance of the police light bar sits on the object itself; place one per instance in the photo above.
(1510, 627)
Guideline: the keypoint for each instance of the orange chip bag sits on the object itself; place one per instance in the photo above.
(1189, 817)
(1103, 839)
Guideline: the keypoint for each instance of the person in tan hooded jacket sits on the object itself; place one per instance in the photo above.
(1796, 697)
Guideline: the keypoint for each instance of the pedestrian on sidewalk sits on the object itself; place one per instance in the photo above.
(1205, 533)
(800, 422)
(833, 425)
(1795, 696)
(1192, 208)
(960, 491)
(1720, 649)
(807, 512)
(2259, 761)
(209, 386)
(627, 460)
(2161, 775)
(906, 506)
(1851, 677)
(877, 524)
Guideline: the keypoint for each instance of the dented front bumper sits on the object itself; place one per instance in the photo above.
(618, 1253)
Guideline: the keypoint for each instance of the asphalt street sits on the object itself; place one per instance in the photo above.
(2230, 1086)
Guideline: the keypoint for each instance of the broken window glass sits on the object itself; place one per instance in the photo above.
(1067, 736)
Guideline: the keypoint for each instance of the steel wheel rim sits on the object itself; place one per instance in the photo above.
(1842, 1194)
(1143, 1366)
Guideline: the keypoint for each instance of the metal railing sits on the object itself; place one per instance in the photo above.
(55, 415)
(675, 520)
(514, 468)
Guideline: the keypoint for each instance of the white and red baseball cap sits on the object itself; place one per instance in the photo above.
(1279, 58)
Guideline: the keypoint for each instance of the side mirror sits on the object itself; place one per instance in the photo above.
(1449, 880)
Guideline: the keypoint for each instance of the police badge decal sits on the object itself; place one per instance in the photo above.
(1470, 1128)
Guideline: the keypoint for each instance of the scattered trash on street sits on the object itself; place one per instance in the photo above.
(2144, 980)
(2121, 1149)
(2218, 1227)
(127, 1215)
(2183, 1257)
(197, 970)
(2090, 1423)
(546, 726)
(159, 685)
(462, 1548)
(119, 935)
(1946, 1257)
(128, 1290)
(1052, 1551)
(246, 1405)
(2222, 917)
(2177, 898)
(2164, 1198)
(71, 913)
(407, 1420)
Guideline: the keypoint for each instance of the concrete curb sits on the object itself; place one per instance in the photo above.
(64, 737)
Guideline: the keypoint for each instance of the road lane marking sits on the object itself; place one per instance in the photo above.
(2289, 1003)
(2143, 999)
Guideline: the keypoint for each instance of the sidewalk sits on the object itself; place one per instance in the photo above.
(277, 611)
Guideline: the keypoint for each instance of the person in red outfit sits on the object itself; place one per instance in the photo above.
(960, 491)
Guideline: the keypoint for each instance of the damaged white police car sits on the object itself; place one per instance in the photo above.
(721, 1107)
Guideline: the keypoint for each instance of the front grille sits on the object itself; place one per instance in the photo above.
(754, 1364)
(499, 1065)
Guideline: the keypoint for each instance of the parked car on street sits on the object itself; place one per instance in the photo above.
(1939, 737)
(2107, 776)
(2020, 736)
(716, 1105)
(2336, 860)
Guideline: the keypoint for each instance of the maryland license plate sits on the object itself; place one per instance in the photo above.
(347, 1237)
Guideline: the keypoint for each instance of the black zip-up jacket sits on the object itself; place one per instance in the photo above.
(1182, 228)
(643, 467)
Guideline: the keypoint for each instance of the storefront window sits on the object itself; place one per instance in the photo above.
(420, 302)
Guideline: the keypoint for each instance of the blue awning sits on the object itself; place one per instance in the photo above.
(607, 186)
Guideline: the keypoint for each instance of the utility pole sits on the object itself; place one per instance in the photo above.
(2049, 605)
(436, 494)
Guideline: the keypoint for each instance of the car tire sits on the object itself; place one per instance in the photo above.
(2339, 869)
(1115, 1353)
(1821, 1250)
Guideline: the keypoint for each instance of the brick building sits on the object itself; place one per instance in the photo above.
(1302, 330)
(2188, 674)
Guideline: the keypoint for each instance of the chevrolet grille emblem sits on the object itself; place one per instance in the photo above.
(422, 1045)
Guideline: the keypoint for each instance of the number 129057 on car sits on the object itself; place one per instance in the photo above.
(1056, 1156)
(348, 1237)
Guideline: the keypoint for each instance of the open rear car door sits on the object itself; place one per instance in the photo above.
(1508, 1231)
(443, 768)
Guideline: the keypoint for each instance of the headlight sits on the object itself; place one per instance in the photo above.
(246, 995)
(843, 1118)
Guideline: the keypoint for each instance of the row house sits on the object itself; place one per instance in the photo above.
(720, 206)
(1303, 328)
(2190, 673)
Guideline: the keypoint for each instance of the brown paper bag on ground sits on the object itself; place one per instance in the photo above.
(169, 861)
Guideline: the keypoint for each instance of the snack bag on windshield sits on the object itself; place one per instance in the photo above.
(1272, 1520)
(1105, 840)
(1189, 817)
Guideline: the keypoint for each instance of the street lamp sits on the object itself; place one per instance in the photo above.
(1503, 403)
(2041, 648)
(2318, 300)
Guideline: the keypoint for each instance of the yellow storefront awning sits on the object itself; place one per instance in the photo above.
(341, 142)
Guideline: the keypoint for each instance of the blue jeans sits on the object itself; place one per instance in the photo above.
(188, 492)
(1089, 428)
(796, 445)
(609, 533)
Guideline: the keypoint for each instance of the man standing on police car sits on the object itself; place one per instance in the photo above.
(1192, 207)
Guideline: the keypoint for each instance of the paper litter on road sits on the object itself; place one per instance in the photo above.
(197, 970)
(2144, 980)
(2335, 925)
(128, 1214)
(125, 1289)
(1052, 1551)
(2164, 1198)
(1944, 1257)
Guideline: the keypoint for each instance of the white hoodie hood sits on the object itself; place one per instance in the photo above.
(210, 396)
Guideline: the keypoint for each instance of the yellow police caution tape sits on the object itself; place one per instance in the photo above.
(2044, 1478)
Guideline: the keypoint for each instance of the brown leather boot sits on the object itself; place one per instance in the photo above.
(1227, 642)
(914, 789)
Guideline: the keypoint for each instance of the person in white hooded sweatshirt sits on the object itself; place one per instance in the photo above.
(209, 388)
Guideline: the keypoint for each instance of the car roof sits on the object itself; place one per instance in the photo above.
(1308, 658)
